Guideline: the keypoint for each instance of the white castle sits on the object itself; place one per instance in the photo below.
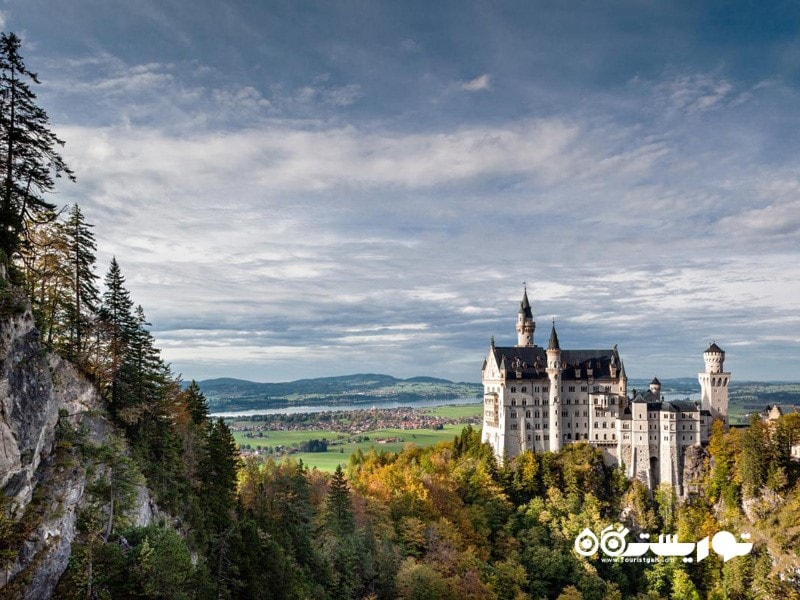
(541, 399)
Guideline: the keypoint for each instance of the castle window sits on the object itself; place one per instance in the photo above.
(513, 389)
(567, 401)
(538, 438)
(572, 388)
(528, 414)
(545, 425)
(605, 436)
(527, 425)
(597, 436)
(524, 402)
(513, 402)
(546, 436)
(529, 437)
(595, 388)
(524, 389)
(536, 402)
(613, 436)
(605, 425)
(577, 413)
(613, 400)
(569, 436)
(537, 426)
(513, 426)
(584, 388)
(586, 413)
(545, 388)
(564, 413)
(513, 414)
(536, 414)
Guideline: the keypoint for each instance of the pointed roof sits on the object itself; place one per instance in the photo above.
(655, 381)
(553, 345)
(714, 348)
(525, 306)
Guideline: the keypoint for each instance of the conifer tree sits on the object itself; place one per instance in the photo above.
(118, 325)
(29, 157)
(85, 295)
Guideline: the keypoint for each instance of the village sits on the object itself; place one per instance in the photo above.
(273, 434)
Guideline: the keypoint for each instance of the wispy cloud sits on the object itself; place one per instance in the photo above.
(480, 83)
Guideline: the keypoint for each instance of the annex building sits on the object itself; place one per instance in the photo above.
(541, 399)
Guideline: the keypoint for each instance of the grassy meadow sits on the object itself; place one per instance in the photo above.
(342, 445)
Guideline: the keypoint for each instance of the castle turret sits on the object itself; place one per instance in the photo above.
(525, 323)
(655, 387)
(554, 369)
(714, 383)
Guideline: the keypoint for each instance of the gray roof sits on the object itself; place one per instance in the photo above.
(525, 306)
(553, 343)
(531, 361)
(714, 348)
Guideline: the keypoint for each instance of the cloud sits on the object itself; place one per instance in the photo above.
(694, 93)
(480, 83)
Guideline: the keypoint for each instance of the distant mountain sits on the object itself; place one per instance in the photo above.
(364, 388)
(227, 393)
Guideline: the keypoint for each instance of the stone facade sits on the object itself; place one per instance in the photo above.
(541, 399)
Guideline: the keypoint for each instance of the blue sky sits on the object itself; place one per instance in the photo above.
(300, 189)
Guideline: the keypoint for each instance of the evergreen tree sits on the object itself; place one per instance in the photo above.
(85, 295)
(117, 327)
(196, 403)
(29, 157)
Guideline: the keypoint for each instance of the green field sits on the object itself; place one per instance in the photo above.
(461, 411)
(340, 453)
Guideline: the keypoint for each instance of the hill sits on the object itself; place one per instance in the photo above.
(365, 388)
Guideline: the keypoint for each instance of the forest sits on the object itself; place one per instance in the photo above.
(447, 521)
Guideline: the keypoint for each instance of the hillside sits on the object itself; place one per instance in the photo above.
(225, 394)
(236, 394)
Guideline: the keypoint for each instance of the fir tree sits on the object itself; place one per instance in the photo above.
(29, 156)
(118, 325)
(85, 295)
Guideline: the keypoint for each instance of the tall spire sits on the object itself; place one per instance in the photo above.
(525, 306)
(526, 326)
(553, 345)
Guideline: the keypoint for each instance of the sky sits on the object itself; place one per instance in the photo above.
(312, 188)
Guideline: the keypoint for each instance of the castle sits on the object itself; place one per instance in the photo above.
(541, 399)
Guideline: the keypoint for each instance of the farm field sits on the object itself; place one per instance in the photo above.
(462, 411)
(347, 444)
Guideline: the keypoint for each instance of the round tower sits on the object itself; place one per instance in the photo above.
(714, 358)
(714, 383)
(525, 323)
(554, 369)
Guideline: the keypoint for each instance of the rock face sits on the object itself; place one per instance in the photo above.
(36, 390)
(28, 408)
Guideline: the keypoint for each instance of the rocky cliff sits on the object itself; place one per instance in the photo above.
(45, 405)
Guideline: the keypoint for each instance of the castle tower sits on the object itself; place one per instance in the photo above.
(655, 387)
(525, 323)
(714, 383)
(554, 369)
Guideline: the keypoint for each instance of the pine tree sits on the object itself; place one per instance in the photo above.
(117, 328)
(29, 157)
(196, 404)
(85, 295)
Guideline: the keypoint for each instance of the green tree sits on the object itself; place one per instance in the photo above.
(85, 296)
(29, 156)
(117, 327)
